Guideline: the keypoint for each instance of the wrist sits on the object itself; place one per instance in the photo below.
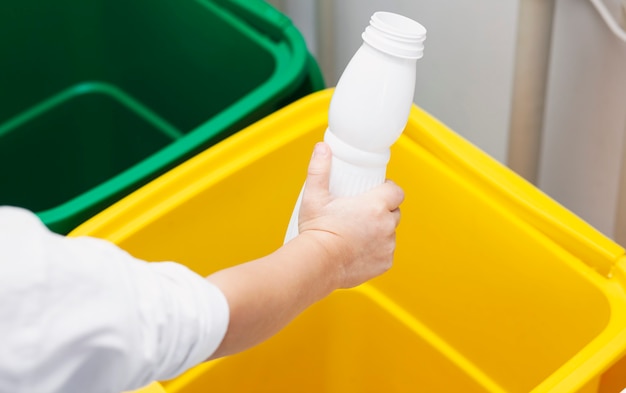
(325, 251)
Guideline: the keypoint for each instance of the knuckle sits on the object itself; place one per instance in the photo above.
(401, 194)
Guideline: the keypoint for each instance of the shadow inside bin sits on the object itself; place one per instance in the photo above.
(74, 141)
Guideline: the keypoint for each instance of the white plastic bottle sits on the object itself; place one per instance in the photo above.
(370, 106)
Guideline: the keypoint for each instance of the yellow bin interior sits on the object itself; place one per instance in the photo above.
(495, 287)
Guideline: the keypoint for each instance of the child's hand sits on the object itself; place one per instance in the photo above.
(358, 232)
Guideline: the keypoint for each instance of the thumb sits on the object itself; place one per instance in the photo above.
(318, 176)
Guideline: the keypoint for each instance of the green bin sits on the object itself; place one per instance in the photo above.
(98, 97)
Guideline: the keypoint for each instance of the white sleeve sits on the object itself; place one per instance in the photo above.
(79, 314)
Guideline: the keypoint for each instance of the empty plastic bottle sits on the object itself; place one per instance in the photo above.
(370, 106)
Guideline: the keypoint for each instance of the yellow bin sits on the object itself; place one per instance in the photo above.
(495, 287)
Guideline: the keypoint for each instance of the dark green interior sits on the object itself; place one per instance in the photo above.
(77, 144)
(182, 61)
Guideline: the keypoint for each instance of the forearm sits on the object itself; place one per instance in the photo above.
(266, 294)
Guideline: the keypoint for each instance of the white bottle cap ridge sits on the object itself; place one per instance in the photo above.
(396, 35)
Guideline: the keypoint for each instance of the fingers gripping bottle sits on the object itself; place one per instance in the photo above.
(370, 106)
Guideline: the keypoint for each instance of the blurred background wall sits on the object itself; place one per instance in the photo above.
(540, 85)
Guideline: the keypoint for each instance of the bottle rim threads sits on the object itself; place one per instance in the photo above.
(396, 35)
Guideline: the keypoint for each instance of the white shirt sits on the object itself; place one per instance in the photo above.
(81, 315)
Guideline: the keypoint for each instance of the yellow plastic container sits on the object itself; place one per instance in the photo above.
(495, 287)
